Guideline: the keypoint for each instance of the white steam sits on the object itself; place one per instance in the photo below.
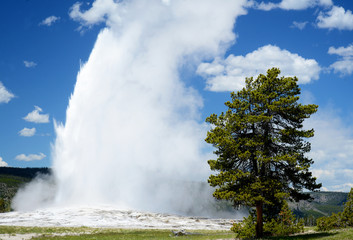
(132, 135)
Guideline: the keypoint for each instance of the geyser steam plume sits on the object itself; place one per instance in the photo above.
(132, 135)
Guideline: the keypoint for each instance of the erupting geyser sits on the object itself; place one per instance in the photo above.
(133, 136)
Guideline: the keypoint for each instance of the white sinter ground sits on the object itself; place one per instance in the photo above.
(109, 217)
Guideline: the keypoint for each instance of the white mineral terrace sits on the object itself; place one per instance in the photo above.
(110, 218)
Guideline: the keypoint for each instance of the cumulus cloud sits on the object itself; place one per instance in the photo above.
(344, 66)
(27, 132)
(229, 74)
(49, 21)
(36, 116)
(337, 17)
(345, 63)
(331, 150)
(293, 4)
(3, 163)
(30, 157)
(101, 11)
(5, 95)
(299, 25)
(29, 64)
(342, 51)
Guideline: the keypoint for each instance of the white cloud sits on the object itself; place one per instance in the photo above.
(326, 3)
(297, 4)
(299, 25)
(266, 6)
(337, 17)
(5, 95)
(101, 11)
(294, 4)
(27, 132)
(331, 149)
(345, 64)
(29, 64)
(229, 74)
(343, 187)
(30, 157)
(36, 117)
(342, 51)
(49, 21)
(3, 163)
(324, 174)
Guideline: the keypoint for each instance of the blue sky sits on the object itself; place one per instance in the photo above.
(43, 43)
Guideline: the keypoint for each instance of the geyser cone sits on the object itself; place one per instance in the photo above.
(132, 135)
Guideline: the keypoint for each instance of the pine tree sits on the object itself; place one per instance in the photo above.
(261, 145)
(347, 213)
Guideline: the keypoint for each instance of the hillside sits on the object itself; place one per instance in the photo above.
(324, 204)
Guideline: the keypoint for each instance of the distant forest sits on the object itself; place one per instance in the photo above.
(24, 172)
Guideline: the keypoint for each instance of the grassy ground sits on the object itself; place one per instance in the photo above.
(343, 234)
(108, 234)
(132, 234)
(45, 230)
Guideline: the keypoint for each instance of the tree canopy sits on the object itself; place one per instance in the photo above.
(261, 145)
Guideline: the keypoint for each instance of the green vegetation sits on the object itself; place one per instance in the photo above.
(45, 230)
(346, 234)
(12, 181)
(323, 204)
(338, 220)
(261, 147)
(9, 185)
(282, 225)
(132, 234)
(28, 173)
(107, 233)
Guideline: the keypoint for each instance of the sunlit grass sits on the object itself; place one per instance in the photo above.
(342, 234)
(110, 233)
(78, 233)
(44, 230)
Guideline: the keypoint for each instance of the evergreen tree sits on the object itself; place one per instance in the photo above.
(347, 213)
(261, 145)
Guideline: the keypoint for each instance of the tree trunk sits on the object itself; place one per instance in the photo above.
(259, 220)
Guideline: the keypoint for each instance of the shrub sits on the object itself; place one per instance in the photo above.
(282, 225)
(4, 205)
(339, 220)
(285, 224)
(347, 214)
(328, 223)
(246, 229)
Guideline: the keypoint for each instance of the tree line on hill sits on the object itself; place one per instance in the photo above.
(338, 220)
(29, 173)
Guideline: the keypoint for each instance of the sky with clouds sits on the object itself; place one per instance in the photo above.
(44, 43)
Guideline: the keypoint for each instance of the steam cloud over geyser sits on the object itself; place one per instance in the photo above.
(133, 135)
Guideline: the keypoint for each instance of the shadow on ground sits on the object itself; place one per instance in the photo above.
(305, 236)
